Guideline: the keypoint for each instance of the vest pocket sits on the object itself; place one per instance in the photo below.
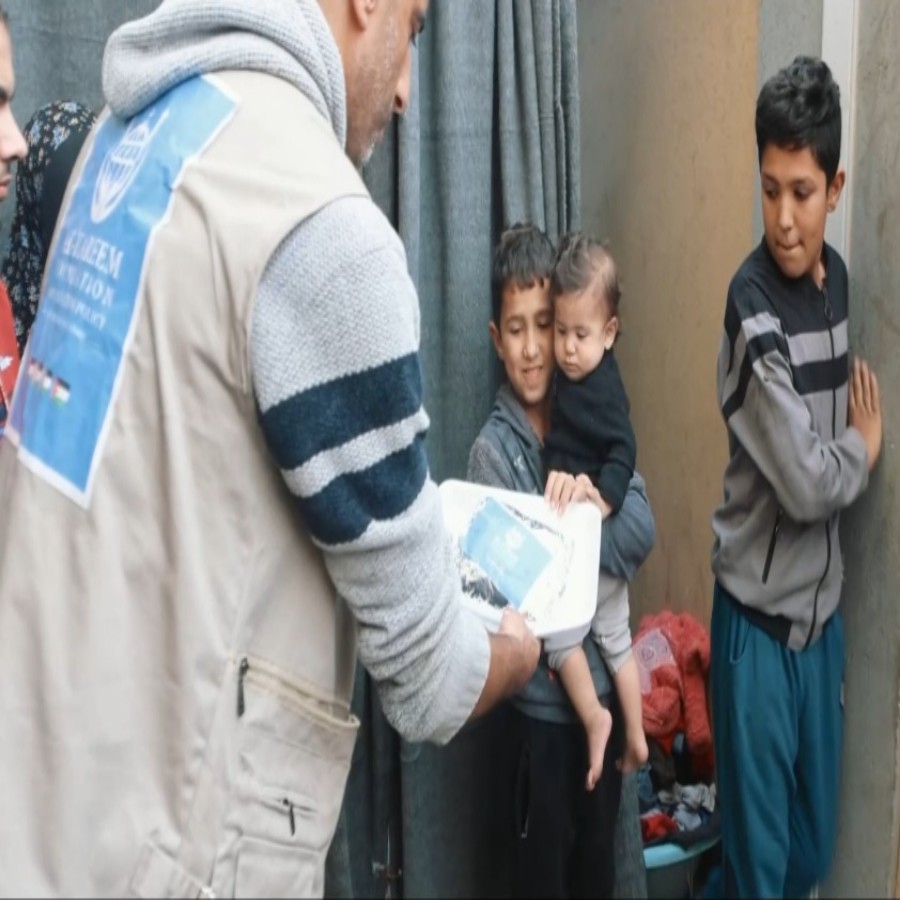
(158, 875)
(293, 758)
(265, 869)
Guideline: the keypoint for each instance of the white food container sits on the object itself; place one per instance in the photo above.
(513, 549)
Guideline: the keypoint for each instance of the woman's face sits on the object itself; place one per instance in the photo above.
(12, 142)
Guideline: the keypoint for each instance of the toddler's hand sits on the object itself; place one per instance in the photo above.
(593, 495)
(561, 490)
(605, 509)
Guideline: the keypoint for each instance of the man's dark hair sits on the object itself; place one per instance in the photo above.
(798, 107)
(584, 263)
(522, 258)
(4, 16)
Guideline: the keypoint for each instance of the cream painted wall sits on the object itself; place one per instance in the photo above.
(668, 98)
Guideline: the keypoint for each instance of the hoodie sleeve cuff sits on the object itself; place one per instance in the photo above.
(464, 681)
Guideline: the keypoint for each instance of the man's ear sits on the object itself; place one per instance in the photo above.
(361, 12)
(835, 188)
(610, 332)
(495, 337)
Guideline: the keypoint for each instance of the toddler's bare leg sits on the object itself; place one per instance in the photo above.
(628, 687)
(576, 678)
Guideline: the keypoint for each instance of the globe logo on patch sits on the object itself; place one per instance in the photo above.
(121, 166)
(514, 540)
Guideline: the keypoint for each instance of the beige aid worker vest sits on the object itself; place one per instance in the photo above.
(175, 669)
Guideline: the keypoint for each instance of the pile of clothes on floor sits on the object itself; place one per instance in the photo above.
(676, 791)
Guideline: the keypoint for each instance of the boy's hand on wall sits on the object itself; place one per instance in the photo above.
(865, 408)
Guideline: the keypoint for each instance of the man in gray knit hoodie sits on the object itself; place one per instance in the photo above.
(179, 630)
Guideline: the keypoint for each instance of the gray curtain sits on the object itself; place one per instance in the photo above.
(57, 50)
(491, 138)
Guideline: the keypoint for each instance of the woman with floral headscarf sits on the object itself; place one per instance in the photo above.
(55, 135)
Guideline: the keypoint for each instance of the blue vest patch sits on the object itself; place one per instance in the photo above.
(89, 305)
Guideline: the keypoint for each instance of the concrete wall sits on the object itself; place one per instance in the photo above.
(668, 94)
(866, 860)
(787, 28)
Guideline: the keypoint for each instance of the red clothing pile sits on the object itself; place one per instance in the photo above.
(674, 683)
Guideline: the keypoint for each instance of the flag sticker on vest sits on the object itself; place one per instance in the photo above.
(90, 301)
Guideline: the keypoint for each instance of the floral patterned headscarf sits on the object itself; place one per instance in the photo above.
(55, 135)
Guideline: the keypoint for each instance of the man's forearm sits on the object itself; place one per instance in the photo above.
(513, 661)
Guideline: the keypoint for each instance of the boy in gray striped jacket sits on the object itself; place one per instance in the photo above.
(804, 431)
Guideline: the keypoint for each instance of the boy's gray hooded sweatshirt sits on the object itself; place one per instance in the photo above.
(336, 308)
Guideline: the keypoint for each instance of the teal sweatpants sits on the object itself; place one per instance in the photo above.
(777, 724)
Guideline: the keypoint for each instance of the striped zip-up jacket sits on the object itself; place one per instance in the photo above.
(783, 372)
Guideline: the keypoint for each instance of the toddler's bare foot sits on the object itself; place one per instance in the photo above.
(636, 752)
(598, 731)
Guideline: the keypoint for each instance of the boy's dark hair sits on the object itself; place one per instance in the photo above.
(4, 16)
(800, 106)
(522, 258)
(583, 263)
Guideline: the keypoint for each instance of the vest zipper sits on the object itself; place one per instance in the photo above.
(290, 691)
(290, 809)
(295, 808)
(242, 674)
(771, 551)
